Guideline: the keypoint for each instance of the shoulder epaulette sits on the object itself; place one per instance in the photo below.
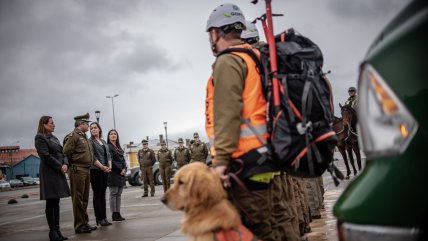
(67, 136)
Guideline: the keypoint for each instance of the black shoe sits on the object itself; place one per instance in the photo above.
(103, 222)
(120, 217)
(117, 217)
(60, 235)
(114, 216)
(53, 236)
(145, 195)
(152, 194)
(56, 212)
(107, 222)
(84, 229)
(92, 228)
(50, 217)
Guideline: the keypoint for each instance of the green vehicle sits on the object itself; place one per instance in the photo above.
(389, 200)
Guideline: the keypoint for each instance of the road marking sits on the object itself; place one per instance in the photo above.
(70, 210)
(22, 220)
(142, 205)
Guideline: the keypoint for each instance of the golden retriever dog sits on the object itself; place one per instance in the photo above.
(197, 190)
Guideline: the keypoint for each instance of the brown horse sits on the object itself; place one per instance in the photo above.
(345, 129)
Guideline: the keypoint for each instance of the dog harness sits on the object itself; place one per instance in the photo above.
(239, 233)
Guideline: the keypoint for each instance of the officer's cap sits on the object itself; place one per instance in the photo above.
(144, 141)
(84, 117)
(180, 140)
(352, 89)
(196, 134)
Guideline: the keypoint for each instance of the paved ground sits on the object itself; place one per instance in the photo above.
(146, 219)
(325, 228)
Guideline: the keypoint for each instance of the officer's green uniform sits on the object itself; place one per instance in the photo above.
(165, 161)
(352, 101)
(302, 207)
(146, 158)
(285, 226)
(198, 151)
(79, 153)
(181, 155)
(314, 197)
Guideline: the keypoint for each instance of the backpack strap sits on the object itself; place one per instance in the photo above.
(287, 103)
(244, 50)
(256, 60)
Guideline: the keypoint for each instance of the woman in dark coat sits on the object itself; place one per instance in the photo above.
(53, 166)
(116, 180)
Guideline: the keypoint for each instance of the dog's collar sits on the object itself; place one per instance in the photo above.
(216, 229)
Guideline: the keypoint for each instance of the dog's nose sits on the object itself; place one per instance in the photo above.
(164, 200)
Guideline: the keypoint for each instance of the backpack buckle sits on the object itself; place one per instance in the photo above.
(302, 129)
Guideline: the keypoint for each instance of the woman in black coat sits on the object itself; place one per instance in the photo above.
(116, 180)
(53, 166)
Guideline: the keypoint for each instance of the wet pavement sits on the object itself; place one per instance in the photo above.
(147, 219)
(325, 228)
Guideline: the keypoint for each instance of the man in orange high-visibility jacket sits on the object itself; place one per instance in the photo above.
(234, 94)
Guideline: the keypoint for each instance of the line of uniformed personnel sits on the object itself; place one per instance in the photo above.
(198, 151)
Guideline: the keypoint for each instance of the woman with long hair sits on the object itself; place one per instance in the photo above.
(116, 180)
(53, 166)
(99, 173)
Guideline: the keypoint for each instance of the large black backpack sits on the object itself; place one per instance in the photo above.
(302, 141)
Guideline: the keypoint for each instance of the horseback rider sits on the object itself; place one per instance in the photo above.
(353, 98)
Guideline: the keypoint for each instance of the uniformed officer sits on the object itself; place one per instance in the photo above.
(301, 195)
(314, 197)
(165, 161)
(79, 153)
(146, 158)
(181, 154)
(198, 150)
(353, 98)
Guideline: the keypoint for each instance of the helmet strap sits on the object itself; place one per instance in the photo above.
(213, 43)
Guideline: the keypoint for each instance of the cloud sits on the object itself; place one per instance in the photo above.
(144, 56)
(61, 57)
(365, 10)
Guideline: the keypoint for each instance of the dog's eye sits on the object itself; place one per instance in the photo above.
(180, 182)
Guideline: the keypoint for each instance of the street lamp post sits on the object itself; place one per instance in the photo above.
(97, 115)
(112, 106)
(165, 124)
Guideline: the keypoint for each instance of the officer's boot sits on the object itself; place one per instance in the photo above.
(50, 217)
(56, 211)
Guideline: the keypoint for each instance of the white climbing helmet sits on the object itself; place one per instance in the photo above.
(250, 32)
(225, 14)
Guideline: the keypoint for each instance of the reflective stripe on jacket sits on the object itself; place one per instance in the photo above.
(254, 108)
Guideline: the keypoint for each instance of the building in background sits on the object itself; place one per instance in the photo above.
(16, 162)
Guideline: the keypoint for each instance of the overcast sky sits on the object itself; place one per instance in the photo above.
(62, 58)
